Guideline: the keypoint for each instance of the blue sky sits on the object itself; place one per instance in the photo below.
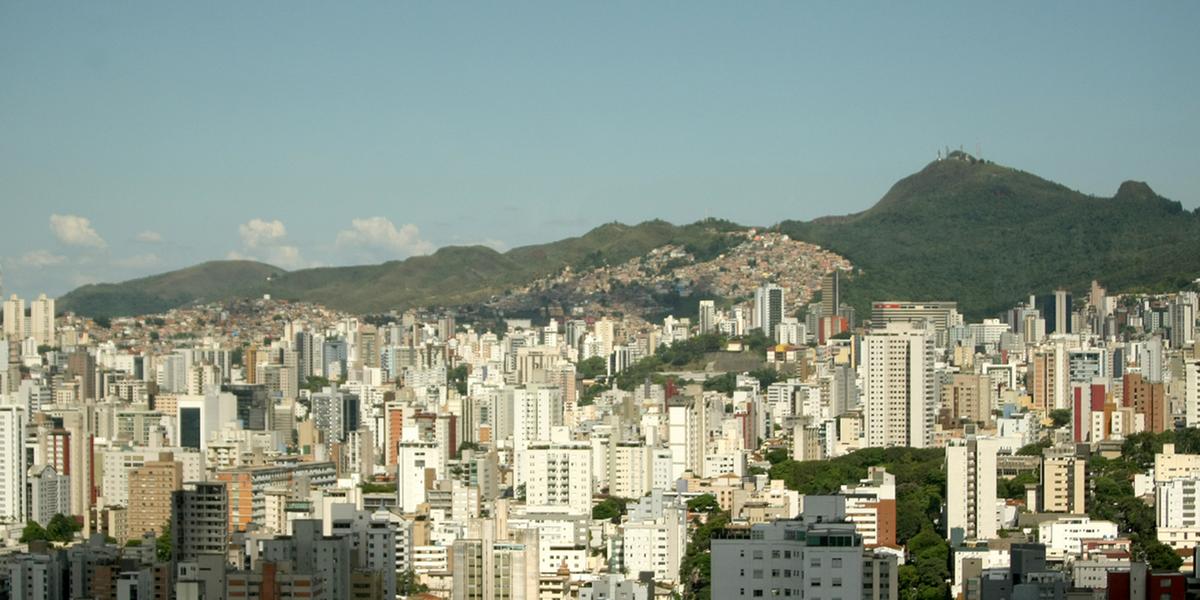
(137, 137)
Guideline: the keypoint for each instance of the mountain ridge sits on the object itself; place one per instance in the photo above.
(960, 228)
(450, 275)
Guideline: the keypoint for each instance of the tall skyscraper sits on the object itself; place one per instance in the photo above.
(41, 320)
(335, 413)
(12, 463)
(81, 365)
(898, 386)
(831, 292)
(14, 319)
(768, 308)
(708, 316)
(1183, 324)
(1056, 311)
(253, 405)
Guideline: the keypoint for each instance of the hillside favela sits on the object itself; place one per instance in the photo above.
(599, 302)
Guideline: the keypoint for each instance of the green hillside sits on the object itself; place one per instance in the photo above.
(987, 236)
(452, 275)
(960, 229)
(204, 282)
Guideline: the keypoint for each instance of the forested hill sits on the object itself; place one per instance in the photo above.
(986, 236)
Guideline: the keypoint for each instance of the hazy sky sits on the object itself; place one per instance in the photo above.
(141, 137)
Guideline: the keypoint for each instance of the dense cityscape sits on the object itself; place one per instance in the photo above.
(782, 445)
(599, 300)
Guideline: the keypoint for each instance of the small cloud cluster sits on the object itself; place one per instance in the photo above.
(265, 241)
(40, 259)
(377, 238)
(74, 230)
(149, 237)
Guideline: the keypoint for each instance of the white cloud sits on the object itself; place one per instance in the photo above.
(74, 230)
(259, 233)
(41, 258)
(378, 237)
(150, 237)
(265, 241)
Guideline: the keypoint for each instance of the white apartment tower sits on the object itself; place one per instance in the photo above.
(898, 386)
(971, 488)
(14, 319)
(768, 308)
(536, 410)
(12, 463)
(41, 320)
(559, 473)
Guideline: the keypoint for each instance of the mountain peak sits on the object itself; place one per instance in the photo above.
(1135, 190)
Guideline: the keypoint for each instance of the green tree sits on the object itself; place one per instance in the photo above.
(408, 585)
(1015, 487)
(315, 383)
(1061, 417)
(766, 376)
(726, 383)
(610, 508)
(591, 368)
(695, 569)
(33, 531)
(777, 456)
(704, 503)
(1160, 556)
(62, 528)
(370, 487)
(1036, 448)
(458, 378)
(163, 546)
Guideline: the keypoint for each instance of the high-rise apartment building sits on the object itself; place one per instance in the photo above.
(967, 397)
(898, 386)
(200, 521)
(768, 308)
(1063, 486)
(14, 319)
(12, 463)
(1056, 311)
(1147, 399)
(937, 315)
(41, 321)
(831, 293)
(971, 511)
(335, 413)
(559, 473)
(150, 490)
(707, 316)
